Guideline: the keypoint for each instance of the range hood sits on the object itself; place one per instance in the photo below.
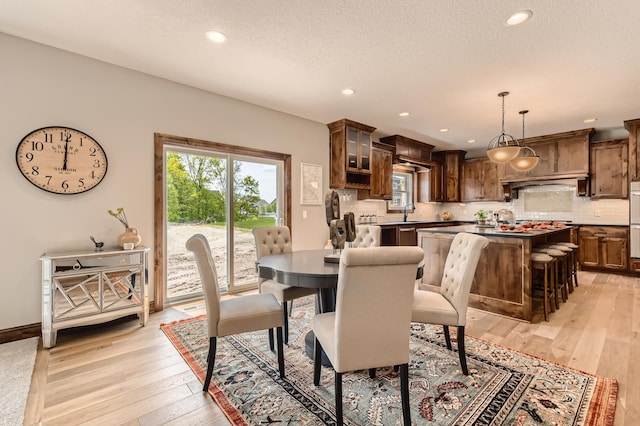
(569, 179)
(579, 180)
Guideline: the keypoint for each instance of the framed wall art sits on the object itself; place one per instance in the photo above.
(311, 190)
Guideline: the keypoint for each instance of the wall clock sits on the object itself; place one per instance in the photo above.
(61, 160)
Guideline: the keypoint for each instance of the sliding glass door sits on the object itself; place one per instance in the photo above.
(223, 196)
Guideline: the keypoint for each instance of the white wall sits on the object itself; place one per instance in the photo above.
(121, 109)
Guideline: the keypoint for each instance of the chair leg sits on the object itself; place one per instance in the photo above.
(446, 336)
(211, 359)
(372, 373)
(280, 351)
(338, 386)
(317, 360)
(271, 340)
(286, 322)
(461, 353)
(404, 393)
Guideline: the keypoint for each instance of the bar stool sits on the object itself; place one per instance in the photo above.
(569, 263)
(561, 285)
(574, 260)
(545, 263)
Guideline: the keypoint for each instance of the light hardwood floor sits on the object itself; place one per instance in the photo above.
(123, 374)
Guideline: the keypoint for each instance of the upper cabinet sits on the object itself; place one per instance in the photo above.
(562, 155)
(609, 169)
(417, 155)
(350, 161)
(480, 180)
(451, 170)
(409, 150)
(431, 184)
(381, 173)
(633, 126)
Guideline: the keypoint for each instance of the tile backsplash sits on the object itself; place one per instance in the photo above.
(546, 202)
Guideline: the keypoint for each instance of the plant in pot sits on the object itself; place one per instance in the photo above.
(481, 215)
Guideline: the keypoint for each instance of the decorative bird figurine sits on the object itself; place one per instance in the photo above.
(99, 244)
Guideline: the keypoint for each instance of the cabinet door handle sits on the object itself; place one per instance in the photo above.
(407, 229)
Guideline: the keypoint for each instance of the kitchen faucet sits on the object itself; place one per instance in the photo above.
(405, 211)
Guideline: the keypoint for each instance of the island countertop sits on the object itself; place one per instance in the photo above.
(492, 232)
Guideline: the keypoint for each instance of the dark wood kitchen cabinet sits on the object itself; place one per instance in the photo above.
(561, 155)
(633, 126)
(381, 172)
(608, 169)
(431, 185)
(604, 247)
(350, 151)
(451, 169)
(480, 180)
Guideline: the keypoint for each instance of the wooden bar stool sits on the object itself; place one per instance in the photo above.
(574, 259)
(545, 263)
(561, 285)
(568, 267)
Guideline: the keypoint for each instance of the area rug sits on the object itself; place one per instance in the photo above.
(504, 387)
(16, 364)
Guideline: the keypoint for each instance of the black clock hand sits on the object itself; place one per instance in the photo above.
(66, 149)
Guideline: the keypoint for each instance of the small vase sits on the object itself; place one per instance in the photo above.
(130, 235)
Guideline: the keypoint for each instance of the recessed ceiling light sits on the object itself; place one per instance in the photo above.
(590, 120)
(404, 114)
(471, 141)
(518, 18)
(444, 130)
(348, 92)
(216, 36)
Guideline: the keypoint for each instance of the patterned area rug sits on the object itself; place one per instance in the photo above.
(503, 387)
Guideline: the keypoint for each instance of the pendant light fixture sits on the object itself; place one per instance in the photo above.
(527, 159)
(504, 147)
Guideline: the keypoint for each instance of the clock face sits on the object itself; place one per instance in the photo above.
(61, 160)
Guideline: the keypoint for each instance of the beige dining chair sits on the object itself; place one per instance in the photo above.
(449, 307)
(370, 327)
(367, 236)
(236, 315)
(277, 240)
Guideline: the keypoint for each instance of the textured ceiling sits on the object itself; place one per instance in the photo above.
(444, 61)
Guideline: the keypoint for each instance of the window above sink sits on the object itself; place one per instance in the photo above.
(402, 186)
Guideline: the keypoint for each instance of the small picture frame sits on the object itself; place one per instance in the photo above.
(311, 186)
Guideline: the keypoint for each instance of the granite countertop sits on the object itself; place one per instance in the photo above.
(492, 232)
(418, 222)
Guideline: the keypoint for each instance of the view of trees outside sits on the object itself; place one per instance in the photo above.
(196, 203)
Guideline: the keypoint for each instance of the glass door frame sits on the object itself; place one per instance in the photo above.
(162, 143)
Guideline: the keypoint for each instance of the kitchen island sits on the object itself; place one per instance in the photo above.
(502, 283)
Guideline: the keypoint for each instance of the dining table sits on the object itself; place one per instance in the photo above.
(308, 268)
(305, 268)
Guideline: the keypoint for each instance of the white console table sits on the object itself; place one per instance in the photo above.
(88, 287)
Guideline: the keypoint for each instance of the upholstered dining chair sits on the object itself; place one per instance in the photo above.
(370, 327)
(367, 236)
(277, 240)
(236, 315)
(449, 307)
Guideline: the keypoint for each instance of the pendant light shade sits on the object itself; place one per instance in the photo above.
(527, 158)
(504, 147)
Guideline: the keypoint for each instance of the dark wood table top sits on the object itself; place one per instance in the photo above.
(305, 268)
